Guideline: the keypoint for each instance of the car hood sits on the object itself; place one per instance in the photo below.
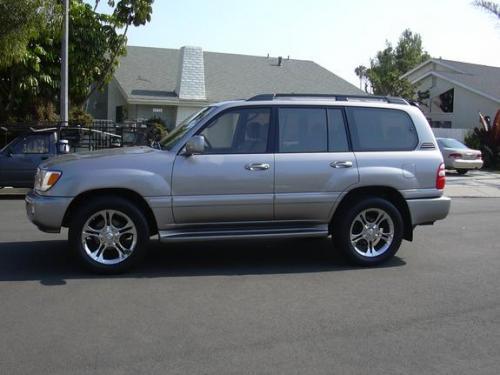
(98, 157)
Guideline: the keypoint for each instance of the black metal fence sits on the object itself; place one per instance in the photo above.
(100, 134)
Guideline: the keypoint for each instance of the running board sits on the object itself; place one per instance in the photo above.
(180, 235)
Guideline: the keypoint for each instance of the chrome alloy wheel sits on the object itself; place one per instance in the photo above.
(372, 232)
(109, 237)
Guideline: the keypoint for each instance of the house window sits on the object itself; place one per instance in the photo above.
(444, 102)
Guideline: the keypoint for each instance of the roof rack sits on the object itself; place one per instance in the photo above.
(336, 97)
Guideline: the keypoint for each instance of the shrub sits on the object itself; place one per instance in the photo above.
(78, 116)
(488, 140)
(157, 129)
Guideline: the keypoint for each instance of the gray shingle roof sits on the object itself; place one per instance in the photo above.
(479, 77)
(151, 73)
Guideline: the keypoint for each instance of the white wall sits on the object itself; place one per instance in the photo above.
(184, 112)
(451, 133)
(466, 104)
(115, 99)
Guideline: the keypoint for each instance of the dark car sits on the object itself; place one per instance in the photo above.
(20, 158)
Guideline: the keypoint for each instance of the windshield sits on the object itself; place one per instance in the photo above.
(452, 143)
(180, 130)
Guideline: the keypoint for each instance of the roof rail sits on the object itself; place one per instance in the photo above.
(336, 97)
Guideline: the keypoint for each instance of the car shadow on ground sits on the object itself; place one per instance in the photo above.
(52, 262)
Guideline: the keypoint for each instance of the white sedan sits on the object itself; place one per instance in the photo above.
(458, 156)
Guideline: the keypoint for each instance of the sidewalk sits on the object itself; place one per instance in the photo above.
(476, 184)
(13, 193)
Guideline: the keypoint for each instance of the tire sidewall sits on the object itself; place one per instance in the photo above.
(342, 234)
(110, 203)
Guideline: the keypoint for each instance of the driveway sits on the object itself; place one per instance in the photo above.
(274, 307)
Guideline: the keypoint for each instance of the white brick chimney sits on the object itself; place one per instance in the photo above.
(191, 76)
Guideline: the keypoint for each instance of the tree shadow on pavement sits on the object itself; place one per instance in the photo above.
(52, 262)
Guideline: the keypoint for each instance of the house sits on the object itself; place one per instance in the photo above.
(171, 84)
(455, 92)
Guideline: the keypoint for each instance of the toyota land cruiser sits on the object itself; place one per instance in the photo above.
(364, 170)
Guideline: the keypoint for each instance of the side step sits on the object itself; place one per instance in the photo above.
(180, 235)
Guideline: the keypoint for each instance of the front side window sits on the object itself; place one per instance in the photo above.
(171, 139)
(302, 130)
(239, 131)
(380, 129)
(34, 144)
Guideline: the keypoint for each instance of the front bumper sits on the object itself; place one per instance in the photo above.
(465, 164)
(46, 212)
(428, 210)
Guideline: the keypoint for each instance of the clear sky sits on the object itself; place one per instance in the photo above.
(338, 35)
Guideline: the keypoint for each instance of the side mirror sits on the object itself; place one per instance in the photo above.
(8, 153)
(196, 145)
(63, 146)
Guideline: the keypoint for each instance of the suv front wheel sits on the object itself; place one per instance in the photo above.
(369, 232)
(109, 234)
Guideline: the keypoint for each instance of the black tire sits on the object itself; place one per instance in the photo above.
(120, 205)
(344, 221)
(462, 171)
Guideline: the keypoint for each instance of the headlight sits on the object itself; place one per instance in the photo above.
(45, 179)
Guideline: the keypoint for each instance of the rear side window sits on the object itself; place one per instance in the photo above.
(337, 137)
(302, 130)
(380, 129)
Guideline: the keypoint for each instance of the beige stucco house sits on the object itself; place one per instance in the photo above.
(173, 83)
(456, 92)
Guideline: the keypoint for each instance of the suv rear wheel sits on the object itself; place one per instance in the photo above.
(109, 234)
(369, 232)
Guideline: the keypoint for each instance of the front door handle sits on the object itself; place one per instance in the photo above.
(341, 164)
(257, 166)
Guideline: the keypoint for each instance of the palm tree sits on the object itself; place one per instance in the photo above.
(361, 73)
(489, 6)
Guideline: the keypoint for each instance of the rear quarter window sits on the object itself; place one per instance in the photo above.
(381, 129)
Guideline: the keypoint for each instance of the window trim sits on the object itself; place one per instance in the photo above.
(352, 127)
(269, 146)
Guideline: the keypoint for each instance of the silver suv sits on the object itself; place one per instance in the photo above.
(365, 170)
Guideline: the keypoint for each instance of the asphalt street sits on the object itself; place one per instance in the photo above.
(280, 307)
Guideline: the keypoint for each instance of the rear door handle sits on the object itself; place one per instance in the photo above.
(341, 164)
(257, 166)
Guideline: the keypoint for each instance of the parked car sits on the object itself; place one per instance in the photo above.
(365, 170)
(458, 156)
(20, 158)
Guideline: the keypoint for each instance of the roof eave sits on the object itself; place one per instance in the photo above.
(435, 61)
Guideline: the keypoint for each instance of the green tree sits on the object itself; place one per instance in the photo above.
(30, 79)
(489, 6)
(391, 63)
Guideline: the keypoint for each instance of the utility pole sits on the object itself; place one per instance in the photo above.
(64, 65)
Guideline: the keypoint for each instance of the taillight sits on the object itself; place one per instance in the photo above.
(440, 177)
(455, 155)
(479, 156)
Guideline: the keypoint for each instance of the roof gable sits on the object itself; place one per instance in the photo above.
(481, 79)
